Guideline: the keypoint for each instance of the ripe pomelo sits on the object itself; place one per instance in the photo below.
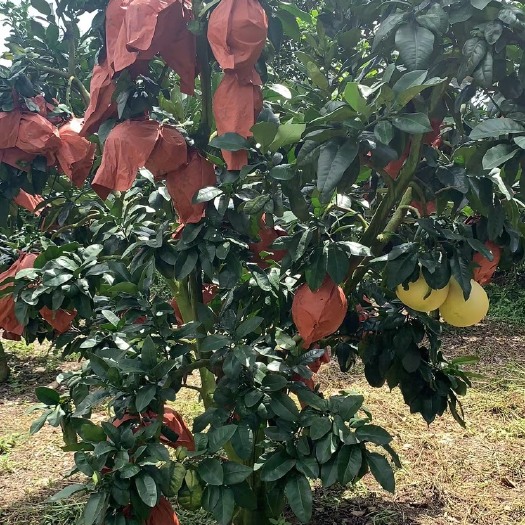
(458, 312)
(420, 296)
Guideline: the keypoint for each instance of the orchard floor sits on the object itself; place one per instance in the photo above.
(450, 475)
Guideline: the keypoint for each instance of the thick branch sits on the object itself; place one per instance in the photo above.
(65, 74)
(380, 219)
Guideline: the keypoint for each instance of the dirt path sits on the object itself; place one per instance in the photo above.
(450, 475)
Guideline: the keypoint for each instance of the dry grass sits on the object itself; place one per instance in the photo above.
(450, 475)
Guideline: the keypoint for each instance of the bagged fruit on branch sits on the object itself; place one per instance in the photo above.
(127, 148)
(29, 202)
(137, 30)
(8, 321)
(17, 158)
(75, 154)
(185, 182)
(171, 419)
(320, 313)
(163, 514)
(485, 269)
(60, 320)
(268, 236)
(101, 105)
(38, 136)
(236, 106)
(169, 154)
(237, 33)
(9, 124)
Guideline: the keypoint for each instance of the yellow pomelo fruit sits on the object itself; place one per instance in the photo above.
(458, 312)
(416, 295)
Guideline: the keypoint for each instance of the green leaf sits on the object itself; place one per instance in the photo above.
(483, 74)
(223, 511)
(435, 19)
(412, 123)
(218, 437)
(308, 466)
(42, 6)
(144, 397)
(415, 45)
(349, 460)
(287, 134)
(277, 466)
(480, 4)
(462, 273)
(56, 277)
(498, 155)
(320, 427)
(244, 496)
(264, 133)
(92, 433)
(282, 172)
(207, 194)
(353, 94)
(493, 31)
(381, 470)
(111, 317)
(230, 142)
(316, 271)
(474, 50)
(386, 27)
(338, 263)
(242, 441)
(248, 326)
(211, 471)
(384, 132)
(94, 511)
(235, 472)
(274, 382)
(284, 407)
(39, 423)
(374, 434)
(520, 141)
(299, 495)
(329, 472)
(68, 491)
(333, 161)
(147, 489)
(48, 396)
(148, 353)
(495, 127)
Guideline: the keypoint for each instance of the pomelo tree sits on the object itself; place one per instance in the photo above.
(250, 185)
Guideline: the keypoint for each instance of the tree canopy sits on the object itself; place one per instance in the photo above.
(236, 190)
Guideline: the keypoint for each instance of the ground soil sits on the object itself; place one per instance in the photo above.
(450, 475)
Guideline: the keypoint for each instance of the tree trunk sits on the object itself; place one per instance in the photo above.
(4, 368)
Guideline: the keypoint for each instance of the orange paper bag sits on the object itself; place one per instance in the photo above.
(320, 313)
(185, 182)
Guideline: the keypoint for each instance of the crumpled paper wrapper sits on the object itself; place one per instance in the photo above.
(185, 182)
(134, 144)
(75, 154)
(484, 272)
(237, 33)
(29, 202)
(101, 106)
(60, 320)
(170, 153)
(136, 30)
(173, 420)
(320, 313)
